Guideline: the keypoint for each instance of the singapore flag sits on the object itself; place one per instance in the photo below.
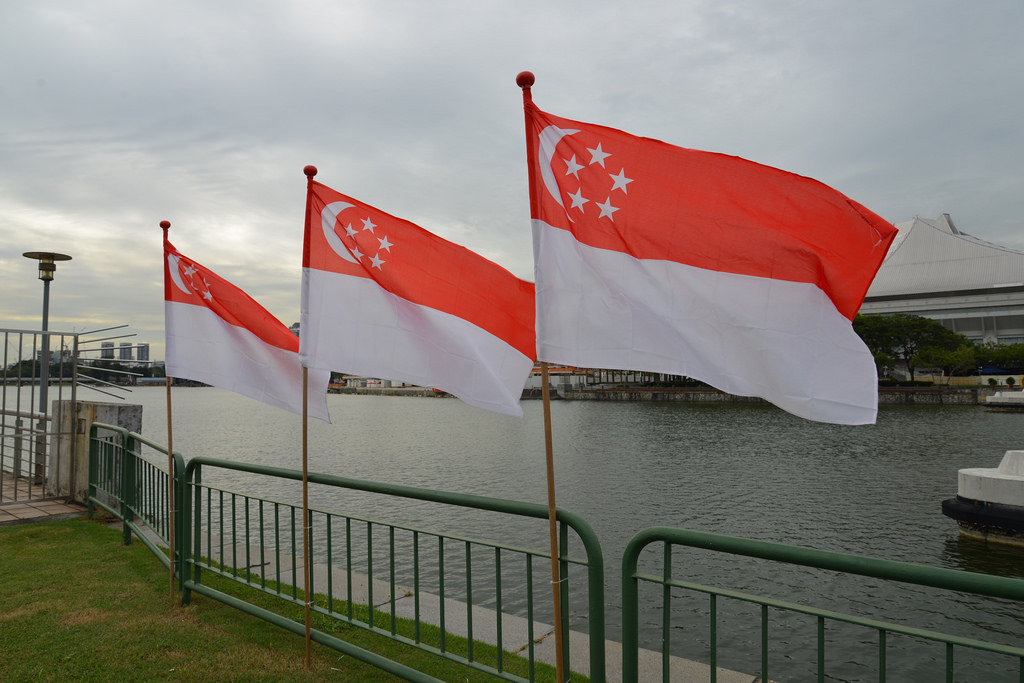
(384, 298)
(219, 335)
(658, 258)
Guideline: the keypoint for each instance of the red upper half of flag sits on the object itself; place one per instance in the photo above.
(653, 200)
(346, 236)
(187, 282)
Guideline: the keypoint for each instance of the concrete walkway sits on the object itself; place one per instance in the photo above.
(22, 501)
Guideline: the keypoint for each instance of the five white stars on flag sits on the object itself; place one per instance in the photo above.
(384, 245)
(203, 291)
(619, 182)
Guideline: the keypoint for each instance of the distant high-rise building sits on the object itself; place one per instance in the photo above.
(125, 351)
(107, 350)
(143, 352)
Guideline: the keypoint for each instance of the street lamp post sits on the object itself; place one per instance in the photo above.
(47, 267)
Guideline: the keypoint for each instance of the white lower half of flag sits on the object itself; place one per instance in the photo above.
(749, 336)
(352, 325)
(202, 346)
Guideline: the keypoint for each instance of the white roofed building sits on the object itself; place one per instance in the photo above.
(971, 286)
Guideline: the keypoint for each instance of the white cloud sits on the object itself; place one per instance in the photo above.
(119, 115)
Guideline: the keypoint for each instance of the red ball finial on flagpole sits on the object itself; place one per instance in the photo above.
(310, 171)
(165, 224)
(525, 79)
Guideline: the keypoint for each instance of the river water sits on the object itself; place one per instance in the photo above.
(739, 469)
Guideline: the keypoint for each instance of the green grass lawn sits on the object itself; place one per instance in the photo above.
(76, 604)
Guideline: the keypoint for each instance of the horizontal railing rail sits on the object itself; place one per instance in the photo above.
(664, 538)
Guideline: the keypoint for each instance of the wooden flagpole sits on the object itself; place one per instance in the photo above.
(170, 484)
(525, 80)
(305, 506)
(170, 455)
(310, 172)
(556, 580)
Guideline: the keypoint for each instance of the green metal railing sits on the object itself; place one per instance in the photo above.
(664, 538)
(231, 533)
(474, 588)
(384, 576)
(131, 487)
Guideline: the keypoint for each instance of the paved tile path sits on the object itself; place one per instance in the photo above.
(21, 501)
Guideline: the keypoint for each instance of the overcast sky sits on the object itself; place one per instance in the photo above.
(115, 115)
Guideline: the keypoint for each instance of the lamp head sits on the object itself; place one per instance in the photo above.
(47, 262)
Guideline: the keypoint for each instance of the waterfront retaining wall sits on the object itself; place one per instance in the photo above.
(943, 395)
(886, 395)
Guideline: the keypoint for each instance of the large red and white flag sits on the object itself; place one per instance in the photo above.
(653, 257)
(219, 335)
(384, 298)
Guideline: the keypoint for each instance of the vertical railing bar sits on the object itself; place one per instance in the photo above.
(469, 599)
(713, 614)
(293, 547)
(248, 544)
(128, 470)
(416, 583)
(666, 611)
(881, 655)
(263, 540)
(307, 527)
(498, 608)
(147, 511)
(197, 525)
(147, 494)
(563, 577)
(163, 505)
(764, 642)
(330, 565)
(234, 535)
(369, 573)
(529, 615)
(209, 523)
(821, 649)
(949, 663)
(144, 490)
(348, 564)
(220, 528)
(312, 554)
(157, 502)
(391, 576)
(440, 590)
(277, 546)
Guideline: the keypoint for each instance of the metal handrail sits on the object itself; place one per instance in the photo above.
(125, 469)
(903, 572)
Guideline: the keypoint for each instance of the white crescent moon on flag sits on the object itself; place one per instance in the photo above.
(172, 268)
(549, 139)
(328, 217)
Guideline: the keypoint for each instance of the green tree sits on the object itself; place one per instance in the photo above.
(958, 361)
(905, 335)
(1009, 357)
